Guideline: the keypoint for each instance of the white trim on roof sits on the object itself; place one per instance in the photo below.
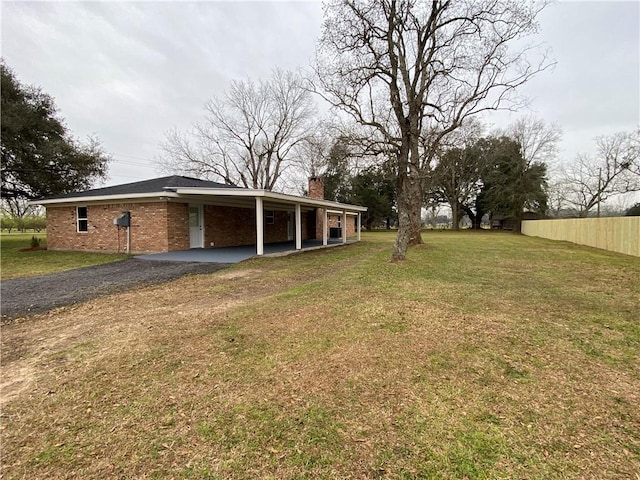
(268, 195)
(185, 193)
(103, 198)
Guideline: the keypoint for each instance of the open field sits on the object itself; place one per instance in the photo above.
(16, 263)
(483, 356)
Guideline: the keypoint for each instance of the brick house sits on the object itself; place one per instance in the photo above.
(179, 213)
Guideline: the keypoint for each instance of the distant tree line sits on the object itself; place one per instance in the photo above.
(36, 223)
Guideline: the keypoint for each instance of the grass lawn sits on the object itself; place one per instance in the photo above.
(17, 263)
(482, 356)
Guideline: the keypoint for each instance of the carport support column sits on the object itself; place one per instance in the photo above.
(259, 226)
(298, 228)
(325, 227)
(344, 226)
(359, 225)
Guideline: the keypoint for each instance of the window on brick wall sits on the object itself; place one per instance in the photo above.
(270, 217)
(82, 219)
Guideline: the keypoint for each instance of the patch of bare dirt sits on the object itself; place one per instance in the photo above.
(106, 324)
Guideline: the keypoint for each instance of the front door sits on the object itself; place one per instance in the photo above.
(196, 237)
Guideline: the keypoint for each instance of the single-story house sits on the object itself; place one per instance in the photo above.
(180, 213)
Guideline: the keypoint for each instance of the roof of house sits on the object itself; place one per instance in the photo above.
(145, 186)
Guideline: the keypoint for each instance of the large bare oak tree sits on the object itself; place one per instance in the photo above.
(249, 136)
(414, 71)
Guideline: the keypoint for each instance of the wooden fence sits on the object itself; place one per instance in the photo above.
(617, 234)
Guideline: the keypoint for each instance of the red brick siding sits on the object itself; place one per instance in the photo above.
(277, 232)
(160, 227)
(229, 226)
(332, 221)
(178, 226)
(148, 228)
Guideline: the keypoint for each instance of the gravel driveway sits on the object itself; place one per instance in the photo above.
(30, 295)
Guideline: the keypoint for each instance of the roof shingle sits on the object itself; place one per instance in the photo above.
(154, 185)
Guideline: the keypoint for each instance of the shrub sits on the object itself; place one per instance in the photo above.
(35, 242)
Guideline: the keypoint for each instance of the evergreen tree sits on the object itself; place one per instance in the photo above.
(39, 156)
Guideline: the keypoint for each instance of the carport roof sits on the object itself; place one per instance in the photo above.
(190, 189)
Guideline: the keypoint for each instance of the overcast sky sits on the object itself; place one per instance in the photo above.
(128, 72)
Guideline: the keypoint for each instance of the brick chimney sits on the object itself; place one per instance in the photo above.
(316, 188)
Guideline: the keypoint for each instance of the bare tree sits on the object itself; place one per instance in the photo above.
(18, 208)
(614, 170)
(249, 136)
(557, 192)
(413, 71)
(538, 141)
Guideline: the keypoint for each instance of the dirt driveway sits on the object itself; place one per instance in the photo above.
(31, 295)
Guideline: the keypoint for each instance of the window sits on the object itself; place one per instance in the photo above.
(82, 219)
(339, 221)
(269, 217)
(194, 216)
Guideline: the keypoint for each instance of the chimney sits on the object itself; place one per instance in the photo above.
(316, 188)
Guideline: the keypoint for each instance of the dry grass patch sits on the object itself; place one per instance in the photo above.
(482, 356)
(18, 260)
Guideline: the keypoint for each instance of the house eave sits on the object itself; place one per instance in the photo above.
(105, 198)
(268, 195)
(202, 194)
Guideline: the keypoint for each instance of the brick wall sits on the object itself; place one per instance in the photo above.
(278, 231)
(334, 220)
(163, 226)
(148, 228)
(178, 226)
(230, 226)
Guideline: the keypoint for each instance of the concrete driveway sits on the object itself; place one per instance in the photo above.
(234, 254)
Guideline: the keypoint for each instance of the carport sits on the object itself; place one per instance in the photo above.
(259, 200)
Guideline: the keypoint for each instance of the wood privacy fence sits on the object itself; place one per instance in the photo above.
(617, 234)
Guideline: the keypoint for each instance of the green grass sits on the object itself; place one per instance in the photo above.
(482, 356)
(18, 263)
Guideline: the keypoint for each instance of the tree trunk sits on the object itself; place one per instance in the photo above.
(517, 225)
(409, 222)
(369, 223)
(455, 216)
(414, 185)
(415, 221)
(476, 218)
(402, 238)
